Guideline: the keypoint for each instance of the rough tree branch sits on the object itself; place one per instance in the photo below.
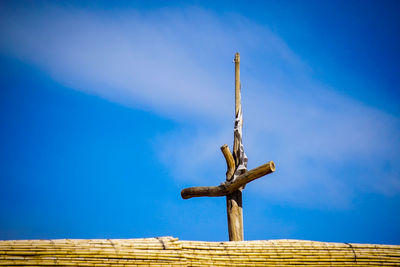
(230, 162)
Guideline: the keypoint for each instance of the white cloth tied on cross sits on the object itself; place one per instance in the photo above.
(238, 154)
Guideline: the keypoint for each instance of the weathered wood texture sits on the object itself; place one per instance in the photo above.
(234, 212)
(234, 208)
(230, 162)
(228, 187)
(168, 251)
(233, 201)
(237, 83)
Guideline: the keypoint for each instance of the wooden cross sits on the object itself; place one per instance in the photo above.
(237, 175)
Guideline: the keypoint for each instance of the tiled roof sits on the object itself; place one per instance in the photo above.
(171, 251)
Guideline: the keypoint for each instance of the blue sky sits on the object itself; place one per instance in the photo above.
(109, 109)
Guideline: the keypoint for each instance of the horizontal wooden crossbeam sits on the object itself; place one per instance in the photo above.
(229, 187)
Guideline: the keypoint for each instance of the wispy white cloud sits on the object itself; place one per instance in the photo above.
(177, 62)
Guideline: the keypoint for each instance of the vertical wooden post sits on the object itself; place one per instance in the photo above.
(234, 200)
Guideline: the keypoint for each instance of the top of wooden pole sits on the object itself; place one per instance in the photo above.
(237, 83)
